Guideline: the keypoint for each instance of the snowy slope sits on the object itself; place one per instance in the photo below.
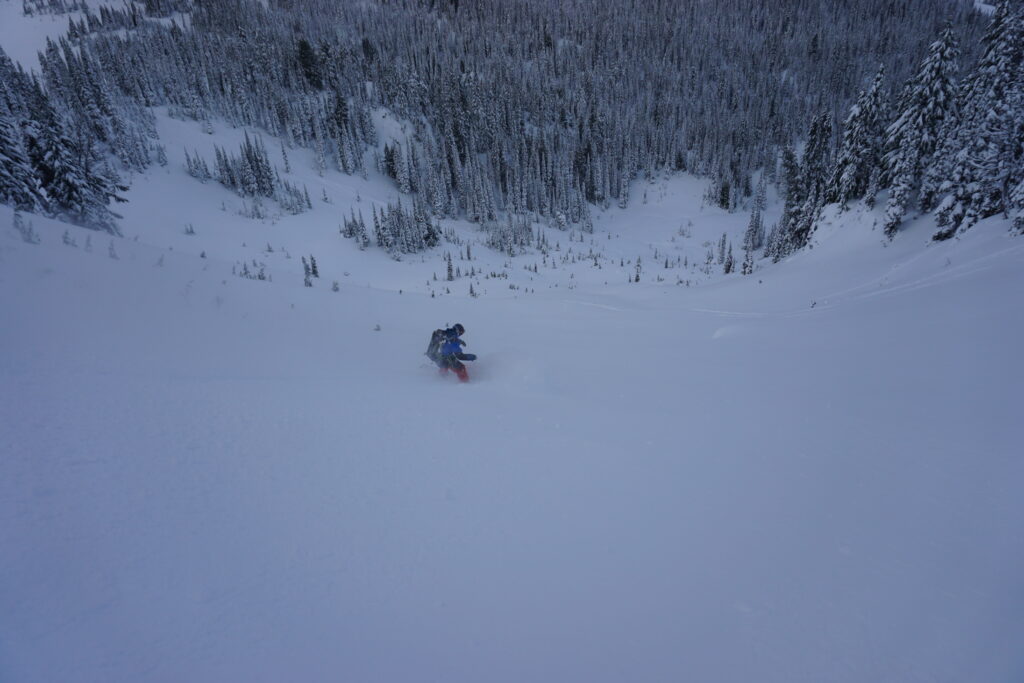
(211, 478)
(167, 200)
(24, 36)
(807, 474)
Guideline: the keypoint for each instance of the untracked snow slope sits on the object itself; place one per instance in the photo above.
(809, 474)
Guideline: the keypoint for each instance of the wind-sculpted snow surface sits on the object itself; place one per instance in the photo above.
(809, 474)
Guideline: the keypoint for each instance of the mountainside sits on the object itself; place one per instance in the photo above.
(805, 474)
(678, 457)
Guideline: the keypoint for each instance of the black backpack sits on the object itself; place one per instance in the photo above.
(434, 348)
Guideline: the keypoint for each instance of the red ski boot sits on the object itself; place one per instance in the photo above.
(462, 374)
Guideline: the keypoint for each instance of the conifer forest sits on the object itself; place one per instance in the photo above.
(538, 108)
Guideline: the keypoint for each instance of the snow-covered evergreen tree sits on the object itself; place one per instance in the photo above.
(805, 184)
(927, 101)
(19, 186)
(794, 193)
(748, 262)
(983, 158)
(860, 150)
(753, 238)
(25, 229)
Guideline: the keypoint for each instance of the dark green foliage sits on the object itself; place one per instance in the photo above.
(309, 64)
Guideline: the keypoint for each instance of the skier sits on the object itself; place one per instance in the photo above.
(445, 349)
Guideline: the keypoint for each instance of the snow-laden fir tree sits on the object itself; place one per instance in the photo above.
(805, 189)
(755, 226)
(927, 101)
(793, 193)
(747, 267)
(814, 168)
(74, 180)
(25, 229)
(70, 178)
(973, 96)
(860, 150)
(753, 238)
(362, 236)
(982, 160)
(1017, 203)
(19, 186)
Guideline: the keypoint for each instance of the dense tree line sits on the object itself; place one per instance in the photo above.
(250, 174)
(977, 169)
(948, 143)
(395, 230)
(34, 7)
(543, 109)
(50, 160)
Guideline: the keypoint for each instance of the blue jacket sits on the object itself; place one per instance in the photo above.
(452, 343)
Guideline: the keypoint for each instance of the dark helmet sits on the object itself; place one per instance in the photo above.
(459, 329)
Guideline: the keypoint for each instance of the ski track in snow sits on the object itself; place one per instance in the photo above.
(881, 288)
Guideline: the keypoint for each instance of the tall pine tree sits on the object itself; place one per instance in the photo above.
(860, 150)
(983, 159)
(927, 101)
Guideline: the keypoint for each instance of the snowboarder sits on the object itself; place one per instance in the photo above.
(445, 350)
